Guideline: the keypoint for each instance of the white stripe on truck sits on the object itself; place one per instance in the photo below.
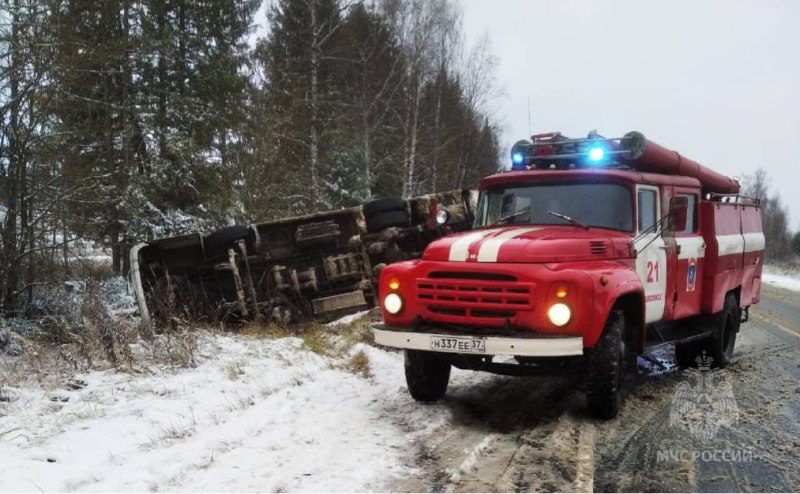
(694, 247)
(460, 248)
(754, 242)
(691, 247)
(730, 244)
(490, 248)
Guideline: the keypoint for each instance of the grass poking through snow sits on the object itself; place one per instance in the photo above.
(234, 369)
(359, 364)
(265, 330)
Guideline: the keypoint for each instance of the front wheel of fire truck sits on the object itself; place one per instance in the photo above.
(606, 369)
(427, 375)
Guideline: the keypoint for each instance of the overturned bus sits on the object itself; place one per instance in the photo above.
(319, 266)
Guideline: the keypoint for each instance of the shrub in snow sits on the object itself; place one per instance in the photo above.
(118, 296)
(10, 344)
(15, 349)
(56, 300)
(22, 327)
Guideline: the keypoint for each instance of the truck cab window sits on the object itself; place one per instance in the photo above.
(647, 209)
(691, 213)
(598, 205)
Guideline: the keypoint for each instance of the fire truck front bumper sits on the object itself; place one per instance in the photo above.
(478, 345)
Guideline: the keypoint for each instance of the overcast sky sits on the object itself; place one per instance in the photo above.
(717, 81)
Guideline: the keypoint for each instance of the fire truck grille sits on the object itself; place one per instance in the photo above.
(466, 275)
(485, 296)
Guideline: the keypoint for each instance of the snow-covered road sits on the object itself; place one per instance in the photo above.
(254, 415)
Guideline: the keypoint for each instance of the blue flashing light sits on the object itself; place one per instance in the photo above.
(517, 158)
(597, 154)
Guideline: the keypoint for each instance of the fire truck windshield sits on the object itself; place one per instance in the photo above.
(594, 205)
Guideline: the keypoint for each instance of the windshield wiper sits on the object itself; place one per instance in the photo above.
(568, 218)
(507, 217)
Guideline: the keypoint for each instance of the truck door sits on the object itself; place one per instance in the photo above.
(671, 249)
(691, 251)
(651, 255)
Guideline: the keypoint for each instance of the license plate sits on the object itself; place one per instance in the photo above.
(458, 344)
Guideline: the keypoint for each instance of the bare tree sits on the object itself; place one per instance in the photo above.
(774, 214)
(33, 183)
(413, 21)
(431, 36)
(449, 43)
(480, 88)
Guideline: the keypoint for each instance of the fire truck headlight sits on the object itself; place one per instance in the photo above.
(559, 314)
(393, 303)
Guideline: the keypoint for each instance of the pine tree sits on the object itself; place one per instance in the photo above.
(368, 146)
(152, 96)
(301, 65)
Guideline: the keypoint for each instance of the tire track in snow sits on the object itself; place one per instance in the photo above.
(506, 435)
(584, 479)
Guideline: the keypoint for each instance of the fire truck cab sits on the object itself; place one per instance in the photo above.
(587, 254)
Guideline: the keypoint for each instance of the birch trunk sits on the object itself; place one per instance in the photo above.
(313, 131)
(411, 154)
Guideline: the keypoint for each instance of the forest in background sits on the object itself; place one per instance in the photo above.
(124, 120)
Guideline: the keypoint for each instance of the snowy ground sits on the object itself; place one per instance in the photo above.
(254, 415)
(781, 278)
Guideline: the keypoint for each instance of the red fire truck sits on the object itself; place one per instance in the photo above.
(588, 254)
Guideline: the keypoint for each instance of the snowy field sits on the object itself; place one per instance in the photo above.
(254, 415)
(781, 278)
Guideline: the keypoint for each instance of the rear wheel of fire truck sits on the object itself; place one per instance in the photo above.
(724, 339)
(427, 375)
(719, 346)
(606, 369)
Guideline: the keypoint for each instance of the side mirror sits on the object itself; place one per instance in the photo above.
(678, 207)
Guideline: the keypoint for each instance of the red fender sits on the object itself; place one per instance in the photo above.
(404, 272)
(612, 282)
